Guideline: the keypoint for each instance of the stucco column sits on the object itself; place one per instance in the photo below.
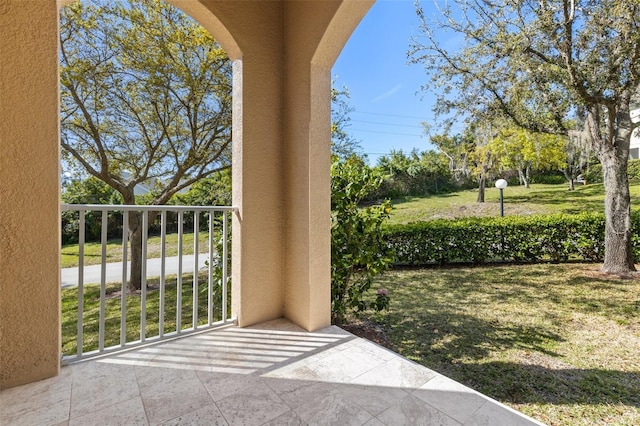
(258, 226)
(308, 197)
(315, 33)
(257, 192)
(29, 192)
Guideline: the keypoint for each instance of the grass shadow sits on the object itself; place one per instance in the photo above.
(540, 335)
(535, 384)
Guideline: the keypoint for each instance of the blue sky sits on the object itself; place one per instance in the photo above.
(385, 90)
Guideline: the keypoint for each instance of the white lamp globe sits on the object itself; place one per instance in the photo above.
(501, 184)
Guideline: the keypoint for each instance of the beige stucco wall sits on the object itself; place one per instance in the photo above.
(29, 192)
(282, 53)
(315, 33)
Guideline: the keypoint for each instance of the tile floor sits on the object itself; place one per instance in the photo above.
(271, 374)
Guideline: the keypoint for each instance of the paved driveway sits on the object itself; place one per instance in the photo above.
(113, 273)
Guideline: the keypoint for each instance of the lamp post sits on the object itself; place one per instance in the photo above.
(501, 184)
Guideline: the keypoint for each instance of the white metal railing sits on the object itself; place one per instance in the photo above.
(170, 302)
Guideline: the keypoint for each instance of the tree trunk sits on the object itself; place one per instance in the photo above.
(614, 156)
(482, 183)
(135, 239)
(568, 175)
(527, 176)
(618, 255)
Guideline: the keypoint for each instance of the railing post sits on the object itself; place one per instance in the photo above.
(80, 325)
(179, 279)
(225, 262)
(163, 266)
(103, 278)
(196, 229)
(210, 271)
(123, 291)
(143, 286)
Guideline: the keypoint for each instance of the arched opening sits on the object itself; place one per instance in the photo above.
(280, 166)
(146, 112)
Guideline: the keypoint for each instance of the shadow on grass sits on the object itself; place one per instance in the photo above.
(519, 384)
(500, 330)
(450, 337)
(587, 294)
(457, 345)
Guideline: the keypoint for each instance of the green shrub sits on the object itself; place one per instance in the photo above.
(594, 175)
(358, 250)
(557, 238)
(89, 191)
(549, 178)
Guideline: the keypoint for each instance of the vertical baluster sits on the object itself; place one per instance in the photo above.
(225, 261)
(143, 287)
(179, 282)
(80, 325)
(103, 279)
(210, 271)
(123, 291)
(196, 226)
(163, 266)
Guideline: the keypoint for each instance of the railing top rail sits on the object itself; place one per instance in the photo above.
(138, 208)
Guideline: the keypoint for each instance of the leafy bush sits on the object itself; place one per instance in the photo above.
(90, 191)
(594, 175)
(549, 178)
(633, 169)
(358, 250)
(556, 238)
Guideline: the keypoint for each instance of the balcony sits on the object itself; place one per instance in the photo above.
(270, 374)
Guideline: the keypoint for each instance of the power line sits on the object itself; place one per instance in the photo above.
(384, 133)
(392, 115)
(387, 124)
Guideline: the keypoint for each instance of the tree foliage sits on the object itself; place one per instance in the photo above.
(213, 190)
(343, 144)
(145, 98)
(415, 173)
(542, 63)
(144, 90)
(470, 154)
(523, 151)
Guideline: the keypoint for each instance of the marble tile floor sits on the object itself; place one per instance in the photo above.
(271, 374)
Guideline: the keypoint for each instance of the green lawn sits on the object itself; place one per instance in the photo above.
(93, 250)
(91, 312)
(559, 342)
(539, 199)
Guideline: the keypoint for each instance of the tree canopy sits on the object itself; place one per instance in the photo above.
(545, 64)
(145, 99)
(145, 96)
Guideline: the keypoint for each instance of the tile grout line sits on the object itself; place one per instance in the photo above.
(144, 406)
(213, 401)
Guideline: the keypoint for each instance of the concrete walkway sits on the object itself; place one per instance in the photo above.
(113, 273)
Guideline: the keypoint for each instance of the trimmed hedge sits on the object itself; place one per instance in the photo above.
(595, 172)
(557, 238)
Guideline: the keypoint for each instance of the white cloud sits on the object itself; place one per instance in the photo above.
(387, 94)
